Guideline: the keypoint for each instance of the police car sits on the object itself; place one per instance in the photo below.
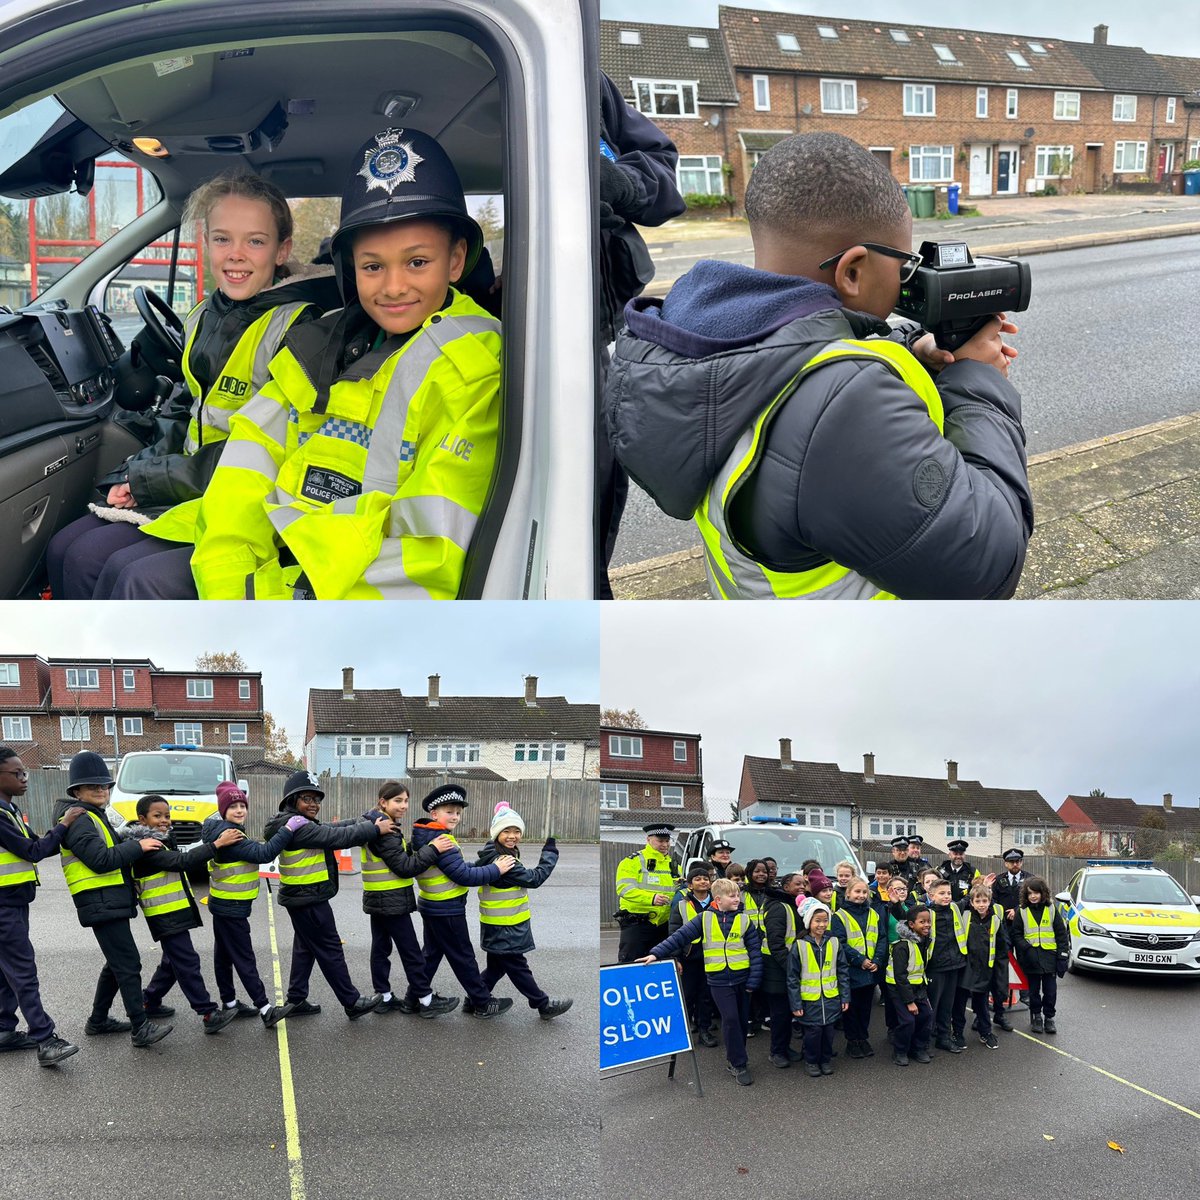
(784, 839)
(1129, 916)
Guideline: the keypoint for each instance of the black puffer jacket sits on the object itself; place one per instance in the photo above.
(978, 976)
(401, 861)
(175, 863)
(779, 919)
(84, 840)
(850, 468)
(514, 939)
(341, 835)
(245, 851)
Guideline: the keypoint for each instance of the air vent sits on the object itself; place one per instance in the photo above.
(49, 368)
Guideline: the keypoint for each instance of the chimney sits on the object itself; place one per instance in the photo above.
(952, 773)
(785, 754)
(435, 683)
(531, 691)
(1100, 35)
(868, 768)
(347, 683)
(1166, 801)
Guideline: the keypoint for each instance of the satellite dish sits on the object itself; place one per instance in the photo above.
(807, 110)
(1030, 132)
(715, 120)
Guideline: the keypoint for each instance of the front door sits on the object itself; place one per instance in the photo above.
(1166, 160)
(1006, 171)
(980, 183)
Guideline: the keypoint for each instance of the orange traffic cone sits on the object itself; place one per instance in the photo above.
(345, 863)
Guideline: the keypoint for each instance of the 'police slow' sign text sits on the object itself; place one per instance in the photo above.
(641, 1014)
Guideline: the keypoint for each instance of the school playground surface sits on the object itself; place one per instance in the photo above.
(384, 1106)
(1033, 1118)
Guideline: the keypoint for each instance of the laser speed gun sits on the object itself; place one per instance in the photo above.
(953, 295)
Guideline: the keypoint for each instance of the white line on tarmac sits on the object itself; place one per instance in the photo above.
(290, 1120)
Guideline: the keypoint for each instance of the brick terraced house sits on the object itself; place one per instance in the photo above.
(648, 775)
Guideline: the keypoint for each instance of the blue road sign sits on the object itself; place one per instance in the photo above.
(641, 1014)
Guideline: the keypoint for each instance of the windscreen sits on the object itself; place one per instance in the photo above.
(789, 847)
(179, 774)
(1128, 888)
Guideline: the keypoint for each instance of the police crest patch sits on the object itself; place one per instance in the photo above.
(390, 162)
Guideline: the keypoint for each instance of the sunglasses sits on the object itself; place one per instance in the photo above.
(910, 260)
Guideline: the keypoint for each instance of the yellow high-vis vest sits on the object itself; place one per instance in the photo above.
(819, 978)
(434, 886)
(13, 868)
(723, 953)
(79, 876)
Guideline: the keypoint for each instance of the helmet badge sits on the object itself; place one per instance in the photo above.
(390, 162)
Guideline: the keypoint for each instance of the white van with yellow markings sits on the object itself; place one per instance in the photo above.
(1130, 916)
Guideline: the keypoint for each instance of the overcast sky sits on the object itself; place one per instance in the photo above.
(478, 649)
(1164, 27)
(1060, 698)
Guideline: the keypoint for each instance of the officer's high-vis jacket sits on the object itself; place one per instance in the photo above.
(376, 496)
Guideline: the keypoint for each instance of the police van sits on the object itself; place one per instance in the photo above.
(782, 838)
(112, 112)
(1131, 917)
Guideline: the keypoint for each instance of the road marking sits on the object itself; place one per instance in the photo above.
(1109, 1075)
(290, 1120)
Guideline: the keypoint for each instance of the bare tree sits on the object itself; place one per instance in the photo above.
(622, 718)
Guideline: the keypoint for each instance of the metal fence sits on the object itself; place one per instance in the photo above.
(568, 808)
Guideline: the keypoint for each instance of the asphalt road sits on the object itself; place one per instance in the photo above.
(1104, 348)
(386, 1105)
(1020, 1120)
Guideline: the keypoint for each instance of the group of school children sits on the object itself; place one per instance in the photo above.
(804, 953)
(111, 873)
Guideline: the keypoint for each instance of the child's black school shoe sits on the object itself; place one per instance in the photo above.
(276, 1013)
(826, 1068)
(947, 1045)
(493, 1008)
(397, 1004)
(147, 1033)
(243, 1009)
(781, 1061)
(1035, 1023)
(94, 1028)
(707, 1038)
(437, 1006)
(854, 1049)
(363, 1005)
(214, 1022)
(53, 1050)
(812, 1069)
(867, 1049)
(1049, 1026)
(990, 1040)
(741, 1074)
(302, 1008)
(958, 1039)
(922, 1056)
(159, 1011)
(555, 1008)
(794, 1055)
(901, 1060)
(1002, 1022)
(16, 1040)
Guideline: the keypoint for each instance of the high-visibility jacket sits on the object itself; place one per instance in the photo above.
(79, 876)
(993, 932)
(960, 930)
(753, 910)
(233, 880)
(637, 884)
(13, 868)
(723, 953)
(819, 979)
(433, 885)
(1040, 933)
(377, 876)
(375, 495)
(916, 966)
(685, 915)
(163, 892)
(732, 573)
(856, 938)
(789, 936)
(303, 866)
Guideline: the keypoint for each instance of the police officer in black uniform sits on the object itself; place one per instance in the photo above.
(720, 854)
(957, 870)
(899, 863)
(917, 862)
(1006, 894)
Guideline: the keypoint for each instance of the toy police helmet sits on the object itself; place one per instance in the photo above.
(88, 769)
(300, 781)
(448, 793)
(398, 175)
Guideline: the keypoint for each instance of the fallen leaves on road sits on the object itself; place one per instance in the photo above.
(743, 1170)
(1047, 1137)
(1118, 1149)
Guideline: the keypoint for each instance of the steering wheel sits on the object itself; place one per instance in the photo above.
(163, 324)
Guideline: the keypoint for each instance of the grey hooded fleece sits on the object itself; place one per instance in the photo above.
(850, 468)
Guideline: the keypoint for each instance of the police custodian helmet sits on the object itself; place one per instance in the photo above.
(400, 174)
(88, 769)
(300, 781)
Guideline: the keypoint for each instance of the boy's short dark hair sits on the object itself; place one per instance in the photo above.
(143, 805)
(916, 911)
(883, 866)
(451, 227)
(822, 180)
(938, 883)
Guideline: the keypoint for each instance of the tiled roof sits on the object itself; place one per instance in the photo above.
(805, 783)
(906, 795)
(457, 773)
(379, 710)
(664, 53)
(759, 139)
(867, 48)
(1184, 72)
(257, 765)
(1124, 68)
(1108, 810)
(635, 773)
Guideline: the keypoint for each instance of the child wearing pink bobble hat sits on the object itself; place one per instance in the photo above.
(506, 933)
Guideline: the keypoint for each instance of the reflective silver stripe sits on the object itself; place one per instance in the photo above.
(268, 346)
(625, 885)
(192, 322)
(388, 575)
(12, 865)
(268, 415)
(432, 516)
(281, 518)
(249, 455)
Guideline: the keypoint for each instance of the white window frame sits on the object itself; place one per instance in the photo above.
(243, 689)
(812, 815)
(762, 92)
(234, 739)
(697, 41)
(131, 726)
(452, 753)
(10, 674)
(680, 751)
(91, 679)
(363, 745)
(110, 726)
(958, 827)
(1120, 153)
(1037, 48)
(848, 88)
(17, 729)
(70, 727)
(1030, 836)
(196, 689)
(944, 154)
(185, 739)
(890, 827)
(1170, 110)
(664, 87)
(828, 33)
(1011, 103)
(981, 102)
(673, 788)
(618, 749)
(1063, 102)
(900, 37)
(780, 38)
(128, 679)
(945, 54)
(1019, 60)
(926, 93)
(614, 795)
(629, 37)
(1193, 150)
(1043, 156)
(539, 752)
(710, 165)
(1124, 108)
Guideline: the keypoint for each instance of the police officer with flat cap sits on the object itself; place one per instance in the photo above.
(1006, 894)
(645, 883)
(916, 858)
(720, 854)
(902, 866)
(957, 870)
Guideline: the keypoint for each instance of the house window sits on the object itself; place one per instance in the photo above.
(1019, 60)
(128, 680)
(110, 726)
(818, 817)
(75, 729)
(237, 734)
(681, 752)
(697, 41)
(80, 680)
(1066, 106)
(1029, 837)
(762, 93)
(966, 829)
(839, 96)
(539, 751)
(1130, 156)
(189, 733)
(18, 729)
(629, 37)
(131, 726)
(788, 43)
(918, 99)
(890, 827)
(665, 97)
(1170, 110)
(444, 753)
(243, 689)
(10, 674)
(898, 35)
(944, 53)
(1124, 108)
(981, 98)
(672, 797)
(700, 174)
(624, 747)
(372, 746)
(1053, 161)
(931, 164)
(828, 31)
(1037, 47)
(614, 795)
(199, 689)
(1010, 108)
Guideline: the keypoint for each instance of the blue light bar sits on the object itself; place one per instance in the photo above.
(775, 820)
(1120, 862)
(169, 746)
